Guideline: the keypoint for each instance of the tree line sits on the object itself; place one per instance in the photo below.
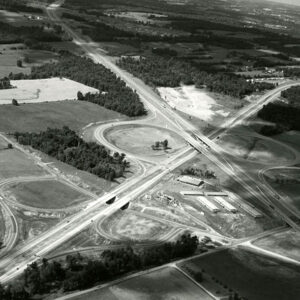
(65, 145)
(114, 94)
(284, 116)
(78, 272)
(159, 71)
(292, 94)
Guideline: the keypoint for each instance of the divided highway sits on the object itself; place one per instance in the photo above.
(13, 264)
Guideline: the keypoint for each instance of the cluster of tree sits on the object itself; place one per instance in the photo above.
(5, 83)
(292, 95)
(291, 72)
(131, 106)
(10, 34)
(18, 6)
(114, 94)
(285, 117)
(159, 71)
(78, 272)
(198, 172)
(66, 146)
(17, 292)
(160, 145)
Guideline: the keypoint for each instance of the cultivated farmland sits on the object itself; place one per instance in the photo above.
(43, 90)
(163, 284)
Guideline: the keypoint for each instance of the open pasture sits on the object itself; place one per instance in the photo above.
(129, 226)
(14, 163)
(138, 139)
(257, 149)
(50, 194)
(38, 116)
(10, 53)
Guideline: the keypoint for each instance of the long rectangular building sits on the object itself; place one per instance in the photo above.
(208, 204)
(224, 194)
(190, 180)
(225, 204)
(192, 193)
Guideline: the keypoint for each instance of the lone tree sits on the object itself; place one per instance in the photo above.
(19, 63)
(9, 146)
(80, 96)
(14, 102)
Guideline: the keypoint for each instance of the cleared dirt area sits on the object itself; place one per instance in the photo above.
(44, 194)
(286, 243)
(257, 149)
(43, 90)
(14, 163)
(165, 284)
(251, 275)
(37, 117)
(129, 226)
(194, 102)
(138, 139)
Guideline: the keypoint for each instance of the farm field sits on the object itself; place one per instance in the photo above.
(149, 287)
(14, 163)
(251, 275)
(43, 90)
(10, 53)
(138, 139)
(48, 194)
(286, 243)
(40, 116)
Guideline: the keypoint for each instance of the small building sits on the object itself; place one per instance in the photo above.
(208, 204)
(225, 204)
(190, 180)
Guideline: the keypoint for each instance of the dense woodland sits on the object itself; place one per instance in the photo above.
(66, 146)
(292, 95)
(18, 6)
(159, 71)
(77, 272)
(285, 117)
(114, 94)
(27, 34)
